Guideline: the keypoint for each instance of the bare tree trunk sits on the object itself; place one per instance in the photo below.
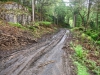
(33, 10)
(88, 14)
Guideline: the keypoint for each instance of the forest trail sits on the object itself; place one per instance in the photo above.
(46, 58)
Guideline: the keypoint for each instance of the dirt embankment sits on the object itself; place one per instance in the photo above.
(13, 38)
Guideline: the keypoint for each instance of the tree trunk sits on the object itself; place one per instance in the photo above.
(88, 14)
(97, 20)
(33, 10)
(54, 20)
(41, 13)
(74, 20)
(82, 17)
(97, 15)
(68, 20)
(57, 20)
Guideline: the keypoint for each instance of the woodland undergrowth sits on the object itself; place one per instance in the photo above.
(87, 51)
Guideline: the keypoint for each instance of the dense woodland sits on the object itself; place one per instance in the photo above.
(81, 13)
(81, 16)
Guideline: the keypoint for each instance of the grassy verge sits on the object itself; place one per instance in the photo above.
(86, 55)
(79, 58)
(15, 36)
(82, 70)
(37, 28)
(17, 25)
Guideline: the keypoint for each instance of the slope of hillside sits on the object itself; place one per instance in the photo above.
(12, 37)
(16, 29)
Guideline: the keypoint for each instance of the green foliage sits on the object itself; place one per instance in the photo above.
(48, 18)
(4, 0)
(17, 25)
(60, 12)
(32, 28)
(93, 34)
(89, 38)
(55, 28)
(89, 34)
(30, 9)
(78, 29)
(82, 70)
(45, 23)
(35, 25)
(90, 61)
(97, 70)
(83, 35)
(92, 25)
(92, 66)
(81, 58)
(98, 42)
(79, 52)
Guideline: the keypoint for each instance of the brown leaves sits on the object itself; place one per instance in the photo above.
(12, 37)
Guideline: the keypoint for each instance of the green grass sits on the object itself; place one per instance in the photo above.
(97, 70)
(79, 52)
(45, 23)
(82, 56)
(81, 70)
(79, 58)
(92, 66)
(17, 25)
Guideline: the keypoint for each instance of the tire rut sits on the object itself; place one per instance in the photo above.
(38, 60)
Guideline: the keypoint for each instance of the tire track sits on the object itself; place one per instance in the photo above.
(18, 62)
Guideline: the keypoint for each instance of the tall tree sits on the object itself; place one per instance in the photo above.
(33, 10)
(98, 13)
(89, 7)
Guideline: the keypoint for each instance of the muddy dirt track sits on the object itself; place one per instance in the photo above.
(46, 58)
